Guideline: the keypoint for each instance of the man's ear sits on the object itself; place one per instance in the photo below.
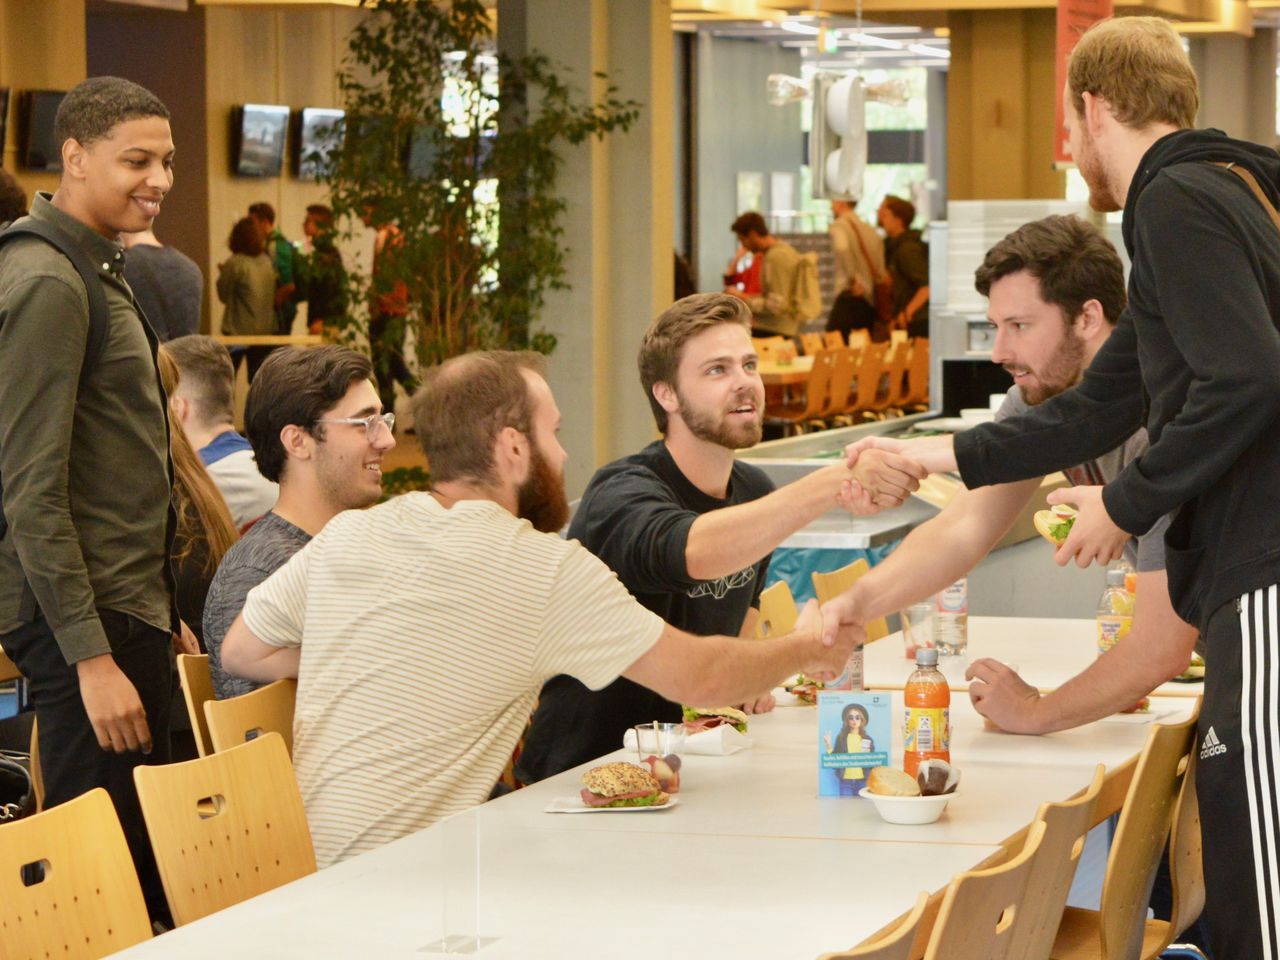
(511, 454)
(180, 406)
(297, 443)
(1096, 113)
(74, 156)
(1092, 319)
(666, 397)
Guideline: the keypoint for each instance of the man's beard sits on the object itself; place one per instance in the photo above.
(1061, 371)
(541, 498)
(705, 426)
(1102, 193)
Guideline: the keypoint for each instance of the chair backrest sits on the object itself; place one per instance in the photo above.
(895, 369)
(268, 709)
(766, 347)
(778, 611)
(35, 767)
(1186, 869)
(829, 585)
(918, 373)
(844, 369)
(869, 373)
(833, 340)
(8, 669)
(225, 827)
(859, 338)
(1066, 826)
(84, 900)
(197, 689)
(983, 910)
(1140, 836)
(811, 342)
(895, 946)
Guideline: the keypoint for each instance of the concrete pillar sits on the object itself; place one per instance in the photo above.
(618, 221)
(1238, 84)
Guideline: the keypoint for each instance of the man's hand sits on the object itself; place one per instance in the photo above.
(759, 705)
(184, 641)
(934, 454)
(842, 632)
(883, 478)
(113, 706)
(1093, 537)
(1003, 697)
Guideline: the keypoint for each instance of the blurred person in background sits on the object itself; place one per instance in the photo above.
(321, 276)
(247, 284)
(168, 284)
(859, 258)
(13, 201)
(283, 259)
(907, 259)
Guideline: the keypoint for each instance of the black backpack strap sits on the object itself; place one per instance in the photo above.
(99, 309)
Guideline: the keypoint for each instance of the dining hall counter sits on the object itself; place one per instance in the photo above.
(748, 863)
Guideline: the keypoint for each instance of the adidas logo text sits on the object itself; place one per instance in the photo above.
(1212, 746)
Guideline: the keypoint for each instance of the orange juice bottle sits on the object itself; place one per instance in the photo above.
(927, 699)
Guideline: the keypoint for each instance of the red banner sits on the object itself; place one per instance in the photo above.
(1074, 18)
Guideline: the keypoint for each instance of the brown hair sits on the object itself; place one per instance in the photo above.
(263, 211)
(664, 341)
(750, 222)
(207, 377)
(904, 210)
(1137, 65)
(297, 386)
(1070, 258)
(464, 404)
(202, 512)
(245, 238)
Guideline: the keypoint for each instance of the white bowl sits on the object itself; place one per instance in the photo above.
(976, 414)
(908, 810)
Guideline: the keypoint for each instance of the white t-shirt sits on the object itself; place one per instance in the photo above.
(426, 634)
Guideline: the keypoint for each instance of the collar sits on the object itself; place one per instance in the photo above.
(106, 255)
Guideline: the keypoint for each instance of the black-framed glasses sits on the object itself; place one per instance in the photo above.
(370, 423)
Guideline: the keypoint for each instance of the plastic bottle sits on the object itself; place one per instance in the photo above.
(927, 698)
(1115, 612)
(852, 677)
(951, 619)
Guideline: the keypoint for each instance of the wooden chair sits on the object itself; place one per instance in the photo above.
(829, 585)
(778, 611)
(1066, 827)
(268, 709)
(870, 370)
(811, 343)
(842, 376)
(917, 395)
(859, 338)
(983, 910)
(1120, 929)
(897, 336)
(9, 671)
(895, 374)
(225, 827)
(793, 416)
(87, 903)
(833, 340)
(197, 689)
(896, 946)
(766, 347)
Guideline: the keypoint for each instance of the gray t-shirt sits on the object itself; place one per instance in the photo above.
(1148, 554)
(259, 553)
(169, 287)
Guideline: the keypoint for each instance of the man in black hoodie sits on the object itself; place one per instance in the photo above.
(1197, 356)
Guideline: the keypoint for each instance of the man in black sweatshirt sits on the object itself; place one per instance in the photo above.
(1197, 358)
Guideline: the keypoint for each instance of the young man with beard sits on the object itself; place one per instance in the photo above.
(318, 429)
(85, 592)
(482, 607)
(687, 527)
(1197, 351)
(1055, 290)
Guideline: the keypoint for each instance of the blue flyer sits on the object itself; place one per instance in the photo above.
(855, 731)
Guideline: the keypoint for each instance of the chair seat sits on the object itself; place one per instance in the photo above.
(1080, 936)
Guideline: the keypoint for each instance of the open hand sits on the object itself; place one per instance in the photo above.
(1094, 536)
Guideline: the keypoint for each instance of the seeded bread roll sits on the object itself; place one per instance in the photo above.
(889, 782)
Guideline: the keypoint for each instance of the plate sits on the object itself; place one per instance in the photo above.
(947, 424)
(574, 804)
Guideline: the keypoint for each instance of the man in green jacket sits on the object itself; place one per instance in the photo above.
(85, 598)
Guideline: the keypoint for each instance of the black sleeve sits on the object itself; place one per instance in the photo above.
(632, 522)
(1078, 425)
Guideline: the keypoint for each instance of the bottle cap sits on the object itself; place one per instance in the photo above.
(1115, 578)
(926, 656)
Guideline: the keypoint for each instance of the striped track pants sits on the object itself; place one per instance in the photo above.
(1238, 777)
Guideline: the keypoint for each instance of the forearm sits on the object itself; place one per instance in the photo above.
(725, 541)
(757, 667)
(918, 300)
(245, 655)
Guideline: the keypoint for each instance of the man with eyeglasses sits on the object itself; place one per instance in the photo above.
(317, 428)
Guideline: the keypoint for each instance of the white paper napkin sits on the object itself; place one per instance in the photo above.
(716, 742)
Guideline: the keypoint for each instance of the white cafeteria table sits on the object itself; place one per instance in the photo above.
(750, 863)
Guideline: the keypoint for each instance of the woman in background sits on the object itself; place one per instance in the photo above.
(247, 285)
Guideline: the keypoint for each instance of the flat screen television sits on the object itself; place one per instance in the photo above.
(37, 146)
(258, 133)
(320, 132)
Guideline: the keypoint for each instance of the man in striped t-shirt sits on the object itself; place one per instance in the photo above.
(414, 688)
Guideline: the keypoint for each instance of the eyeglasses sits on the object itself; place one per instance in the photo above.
(370, 423)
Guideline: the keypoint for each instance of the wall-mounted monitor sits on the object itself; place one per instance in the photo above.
(258, 133)
(320, 132)
(37, 146)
